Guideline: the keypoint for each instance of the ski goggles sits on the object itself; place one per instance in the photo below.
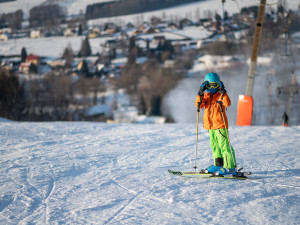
(212, 85)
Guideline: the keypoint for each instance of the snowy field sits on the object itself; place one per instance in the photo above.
(50, 46)
(96, 173)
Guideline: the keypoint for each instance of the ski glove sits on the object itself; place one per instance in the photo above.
(221, 87)
(202, 88)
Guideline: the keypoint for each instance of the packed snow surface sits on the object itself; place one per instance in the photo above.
(97, 173)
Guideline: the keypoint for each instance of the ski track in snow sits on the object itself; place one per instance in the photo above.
(96, 173)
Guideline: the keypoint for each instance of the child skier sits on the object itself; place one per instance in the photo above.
(213, 121)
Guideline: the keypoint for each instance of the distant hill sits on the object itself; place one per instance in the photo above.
(126, 7)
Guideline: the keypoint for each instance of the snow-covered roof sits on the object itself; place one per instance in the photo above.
(168, 35)
(143, 119)
(97, 110)
(193, 32)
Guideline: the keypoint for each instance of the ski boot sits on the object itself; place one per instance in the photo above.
(218, 164)
(225, 172)
(211, 169)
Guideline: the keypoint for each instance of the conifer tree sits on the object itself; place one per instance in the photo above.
(85, 49)
(79, 30)
(85, 69)
(68, 55)
(23, 54)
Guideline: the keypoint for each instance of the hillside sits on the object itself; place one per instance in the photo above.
(95, 173)
(75, 7)
(128, 7)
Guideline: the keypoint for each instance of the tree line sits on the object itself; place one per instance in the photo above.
(12, 20)
(51, 98)
(125, 7)
(46, 15)
(39, 16)
(1, 1)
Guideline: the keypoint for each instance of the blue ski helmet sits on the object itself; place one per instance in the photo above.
(212, 77)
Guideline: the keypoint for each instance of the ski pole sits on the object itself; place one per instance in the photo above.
(222, 113)
(198, 110)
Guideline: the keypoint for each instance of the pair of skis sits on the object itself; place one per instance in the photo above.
(190, 174)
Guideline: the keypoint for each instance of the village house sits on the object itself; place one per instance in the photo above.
(31, 63)
(5, 34)
(206, 22)
(110, 28)
(37, 34)
(33, 59)
(4, 37)
(69, 32)
(24, 67)
(95, 32)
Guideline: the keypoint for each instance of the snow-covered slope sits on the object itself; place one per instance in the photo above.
(95, 173)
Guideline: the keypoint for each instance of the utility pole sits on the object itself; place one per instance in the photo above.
(287, 22)
(223, 17)
(245, 103)
(257, 35)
